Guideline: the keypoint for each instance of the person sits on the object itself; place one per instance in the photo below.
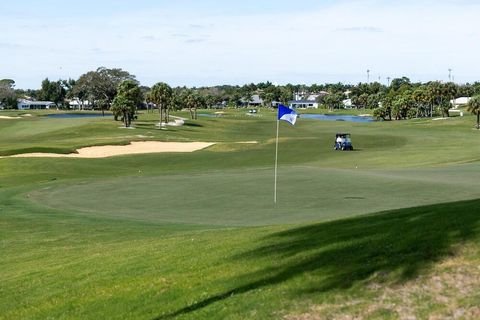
(338, 142)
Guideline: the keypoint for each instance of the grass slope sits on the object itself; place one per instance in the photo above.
(62, 266)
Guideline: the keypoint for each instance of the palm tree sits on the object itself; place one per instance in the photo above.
(474, 107)
(161, 94)
(267, 98)
(125, 103)
(190, 102)
(193, 101)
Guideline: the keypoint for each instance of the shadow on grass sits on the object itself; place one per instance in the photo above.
(191, 124)
(392, 246)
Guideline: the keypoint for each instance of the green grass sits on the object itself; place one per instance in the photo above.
(245, 197)
(197, 236)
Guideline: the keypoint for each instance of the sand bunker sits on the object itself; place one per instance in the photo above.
(8, 117)
(132, 148)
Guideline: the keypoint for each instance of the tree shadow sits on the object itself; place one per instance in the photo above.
(392, 246)
(191, 124)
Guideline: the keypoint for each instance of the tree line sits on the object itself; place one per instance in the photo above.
(119, 91)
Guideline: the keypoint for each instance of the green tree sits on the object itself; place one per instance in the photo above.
(267, 98)
(380, 113)
(333, 100)
(99, 87)
(421, 101)
(54, 91)
(401, 105)
(440, 95)
(474, 107)
(127, 100)
(270, 94)
(8, 97)
(161, 94)
(193, 101)
(360, 101)
(397, 83)
(373, 100)
(448, 93)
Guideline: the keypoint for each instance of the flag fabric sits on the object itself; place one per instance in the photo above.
(287, 114)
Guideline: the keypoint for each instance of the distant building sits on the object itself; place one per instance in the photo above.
(309, 96)
(29, 105)
(460, 102)
(303, 104)
(255, 101)
(78, 104)
(347, 103)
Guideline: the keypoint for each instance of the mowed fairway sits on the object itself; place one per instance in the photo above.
(197, 235)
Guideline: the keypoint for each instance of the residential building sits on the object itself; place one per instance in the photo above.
(303, 104)
(28, 104)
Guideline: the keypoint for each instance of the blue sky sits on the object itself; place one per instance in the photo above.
(210, 42)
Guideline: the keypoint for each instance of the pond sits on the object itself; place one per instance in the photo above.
(336, 117)
(77, 115)
(208, 115)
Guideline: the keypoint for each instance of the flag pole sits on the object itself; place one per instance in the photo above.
(276, 164)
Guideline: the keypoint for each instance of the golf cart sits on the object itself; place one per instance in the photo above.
(343, 141)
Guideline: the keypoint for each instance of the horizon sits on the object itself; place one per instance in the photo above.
(216, 43)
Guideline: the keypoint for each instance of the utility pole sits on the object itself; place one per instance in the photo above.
(388, 81)
(449, 75)
(368, 75)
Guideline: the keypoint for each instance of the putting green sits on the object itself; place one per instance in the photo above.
(245, 198)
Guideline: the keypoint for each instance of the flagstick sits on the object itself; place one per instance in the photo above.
(276, 164)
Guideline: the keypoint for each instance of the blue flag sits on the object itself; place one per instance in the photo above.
(287, 114)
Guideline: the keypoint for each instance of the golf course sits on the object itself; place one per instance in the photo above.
(390, 230)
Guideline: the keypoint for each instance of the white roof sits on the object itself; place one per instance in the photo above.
(347, 102)
(78, 102)
(23, 101)
(256, 99)
(460, 101)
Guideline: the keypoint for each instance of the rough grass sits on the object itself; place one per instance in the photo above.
(63, 266)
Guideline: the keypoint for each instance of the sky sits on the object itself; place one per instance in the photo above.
(213, 42)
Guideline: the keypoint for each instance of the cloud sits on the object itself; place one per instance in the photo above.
(360, 29)
(11, 45)
(250, 45)
(180, 35)
(194, 40)
(150, 38)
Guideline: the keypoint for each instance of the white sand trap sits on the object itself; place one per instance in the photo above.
(177, 122)
(8, 117)
(133, 148)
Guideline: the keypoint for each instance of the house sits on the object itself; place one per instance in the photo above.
(28, 105)
(460, 102)
(78, 104)
(347, 103)
(303, 104)
(255, 101)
